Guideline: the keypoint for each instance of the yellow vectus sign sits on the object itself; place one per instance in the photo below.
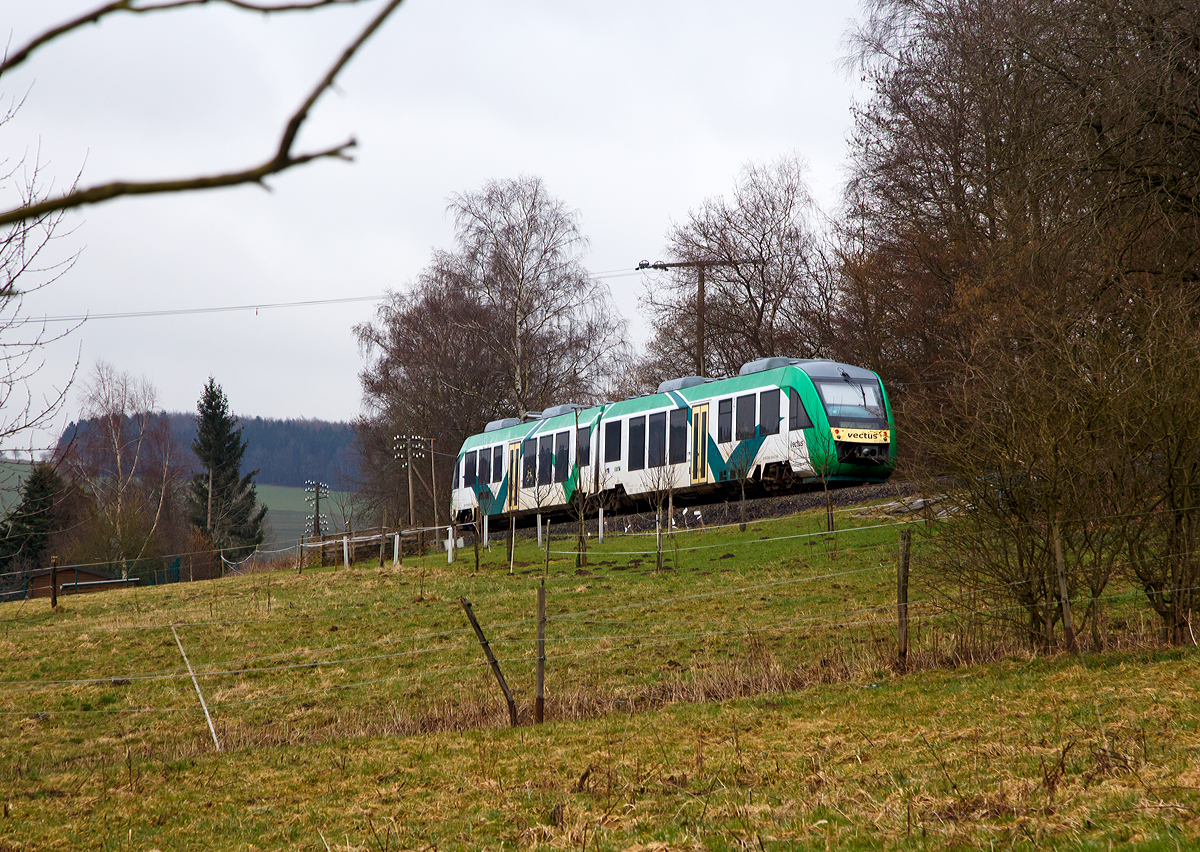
(862, 436)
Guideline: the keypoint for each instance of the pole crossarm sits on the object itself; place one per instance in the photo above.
(699, 266)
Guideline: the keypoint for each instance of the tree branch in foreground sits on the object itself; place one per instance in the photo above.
(283, 158)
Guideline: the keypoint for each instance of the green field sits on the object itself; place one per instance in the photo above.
(12, 477)
(744, 697)
(288, 513)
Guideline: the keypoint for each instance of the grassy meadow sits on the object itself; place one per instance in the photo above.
(744, 697)
(289, 515)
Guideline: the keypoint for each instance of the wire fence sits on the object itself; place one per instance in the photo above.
(390, 666)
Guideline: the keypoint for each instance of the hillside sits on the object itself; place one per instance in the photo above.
(284, 452)
(745, 696)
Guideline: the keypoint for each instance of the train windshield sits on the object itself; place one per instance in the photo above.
(853, 403)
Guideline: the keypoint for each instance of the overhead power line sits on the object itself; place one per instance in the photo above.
(175, 312)
(222, 309)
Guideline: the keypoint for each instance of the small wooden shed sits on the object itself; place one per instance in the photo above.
(73, 581)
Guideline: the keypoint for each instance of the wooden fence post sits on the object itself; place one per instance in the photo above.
(54, 582)
(487, 652)
(1068, 627)
(902, 597)
(539, 700)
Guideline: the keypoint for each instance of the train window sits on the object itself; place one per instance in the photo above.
(745, 417)
(797, 416)
(469, 469)
(658, 440)
(678, 442)
(485, 466)
(584, 437)
(768, 412)
(529, 474)
(725, 421)
(853, 403)
(612, 441)
(546, 460)
(562, 456)
(498, 465)
(637, 443)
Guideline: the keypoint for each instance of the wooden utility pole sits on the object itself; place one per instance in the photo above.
(491, 658)
(902, 598)
(433, 484)
(699, 266)
(412, 512)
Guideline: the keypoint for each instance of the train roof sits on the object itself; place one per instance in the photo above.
(521, 431)
(755, 375)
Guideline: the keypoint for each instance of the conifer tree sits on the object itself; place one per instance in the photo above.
(222, 502)
(25, 533)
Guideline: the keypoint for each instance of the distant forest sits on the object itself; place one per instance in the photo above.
(285, 452)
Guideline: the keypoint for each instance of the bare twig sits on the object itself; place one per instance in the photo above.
(282, 160)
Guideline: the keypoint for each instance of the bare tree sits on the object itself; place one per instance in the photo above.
(1022, 231)
(776, 304)
(507, 322)
(24, 269)
(424, 376)
(549, 323)
(282, 159)
(125, 460)
(661, 482)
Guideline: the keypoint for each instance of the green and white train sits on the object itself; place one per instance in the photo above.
(780, 425)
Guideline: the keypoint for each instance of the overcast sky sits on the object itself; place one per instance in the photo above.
(632, 112)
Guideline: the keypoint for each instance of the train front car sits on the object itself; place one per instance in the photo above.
(853, 437)
(785, 425)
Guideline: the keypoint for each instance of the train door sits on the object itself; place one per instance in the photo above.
(514, 476)
(699, 466)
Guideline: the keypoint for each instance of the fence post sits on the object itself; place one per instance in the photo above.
(1068, 627)
(346, 550)
(600, 525)
(512, 542)
(476, 537)
(902, 597)
(299, 556)
(487, 652)
(539, 520)
(396, 549)
(539, 700)
(54, 582)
